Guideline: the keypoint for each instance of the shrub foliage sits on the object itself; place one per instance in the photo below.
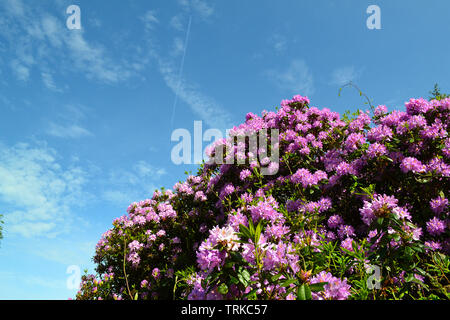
(355, 208)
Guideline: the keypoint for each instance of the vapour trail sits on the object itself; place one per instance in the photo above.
(181, 71)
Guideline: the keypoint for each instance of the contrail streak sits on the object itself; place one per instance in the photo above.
(181, 71)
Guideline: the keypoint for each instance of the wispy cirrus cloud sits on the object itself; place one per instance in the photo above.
(203, 106)
(150, 20)
(49, 82)
(38, 194)
(128, 185)
(278, 42)
(296, 78)
(70, 131)
(343, 75)
(203, 8)
(67, 122)
(37, 39)
(170, 66)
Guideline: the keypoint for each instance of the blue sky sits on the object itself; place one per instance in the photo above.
(86, 115)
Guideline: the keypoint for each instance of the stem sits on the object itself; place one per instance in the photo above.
(124, 270)
(351, 84)
(175, 287)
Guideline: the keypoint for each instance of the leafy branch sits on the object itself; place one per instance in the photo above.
(362, 94)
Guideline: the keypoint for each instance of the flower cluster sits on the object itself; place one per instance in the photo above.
(346, 193)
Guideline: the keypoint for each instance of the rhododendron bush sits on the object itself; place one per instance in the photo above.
(356, 207)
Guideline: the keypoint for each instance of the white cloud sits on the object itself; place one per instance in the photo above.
(149, 19)
(70, 131)
(126, 186)
(279, 42)
(201, 7)
(22, 72)
(144, 169)
(68, 121)
(49, 82)
(178, 46)
(343, 75)
(38, 194)
(15, 7)
(38, 39)
(176, 22)
(297, 78)
(203, 106)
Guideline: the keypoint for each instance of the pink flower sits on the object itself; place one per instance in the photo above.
(245, 174)
(435, 226)
(411, 164)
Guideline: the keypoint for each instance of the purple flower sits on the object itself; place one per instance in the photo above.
(234, 220)
(134, 258)
(161, 233)
(208, 258)
(411, 164)
(335, 221)
(304, 177)
(265, 210)
(200, 196)
(379, 207)
(156, 273)
(435, 226)
(135, 245)
(273, 168)
(353, 141)
(144, 284)
(376, 150)
(320, 175)
(416, 106)
(344, 168)
(379, 133)
(347, 244)
(345, 231)
(433, 245)
(198, 293)
(335, 289)
(226, 190)
(438, 205)
(380, 110)
(277, 231)
(245, 174)
(402, 213)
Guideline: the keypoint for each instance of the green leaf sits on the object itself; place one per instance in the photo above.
(251, 227)
(276, 277)
(288, 282)
(242, 280)
(223, 289)
(244, 277)
(245, 232)
(355, 246)
(316, 287)
(258, 232)
(251, 294)
(304, 292)
(234, 280)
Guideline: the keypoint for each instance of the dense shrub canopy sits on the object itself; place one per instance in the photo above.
(355, 208)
